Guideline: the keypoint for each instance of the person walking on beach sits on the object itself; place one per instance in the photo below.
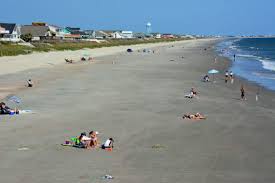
(231, 77)
(242, 93)
(226, 77)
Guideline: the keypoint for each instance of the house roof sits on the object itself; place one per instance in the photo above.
(35, 31)
(8, 26)
(73, 28)
(78, 32)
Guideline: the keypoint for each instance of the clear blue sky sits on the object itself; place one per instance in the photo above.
(177, 16)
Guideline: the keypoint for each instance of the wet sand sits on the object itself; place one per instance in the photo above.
(139, 101)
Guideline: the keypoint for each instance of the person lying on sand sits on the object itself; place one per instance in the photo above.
(4, 110)
(196, 116)
(192, 93)
(70, 61)
(109, 144)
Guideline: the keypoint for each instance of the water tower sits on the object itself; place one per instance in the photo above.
(148, 28)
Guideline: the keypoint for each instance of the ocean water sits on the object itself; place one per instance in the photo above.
(254, 61)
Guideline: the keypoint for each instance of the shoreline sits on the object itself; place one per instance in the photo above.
(251, 86)
(244, 61)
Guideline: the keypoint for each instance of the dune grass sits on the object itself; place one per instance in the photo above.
(10, 49)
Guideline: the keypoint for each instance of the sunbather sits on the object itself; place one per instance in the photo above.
(94, 141)
(196, 116)
(192, 93)
(109, 144)
(70, 61)
(206, 78)
(4, 110)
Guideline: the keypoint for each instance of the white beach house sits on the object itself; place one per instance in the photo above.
(9, 32)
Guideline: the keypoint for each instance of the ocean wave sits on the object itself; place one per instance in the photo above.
(264, 75)
(268, 64)
(233, 47)
(248, 56)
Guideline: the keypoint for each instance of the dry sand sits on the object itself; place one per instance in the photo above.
(139, 102)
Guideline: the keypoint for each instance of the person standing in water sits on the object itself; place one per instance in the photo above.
(234, 57)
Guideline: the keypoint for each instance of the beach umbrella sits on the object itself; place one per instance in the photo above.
(213, 72)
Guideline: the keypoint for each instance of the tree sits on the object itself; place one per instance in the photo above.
(26, 37)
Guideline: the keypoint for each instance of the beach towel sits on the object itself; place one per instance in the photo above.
(27, 111)
(189, 96)
(15, 99)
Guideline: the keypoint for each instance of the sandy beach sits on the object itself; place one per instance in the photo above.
(138, 99)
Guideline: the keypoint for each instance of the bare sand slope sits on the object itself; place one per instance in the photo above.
(139, 102)
(49, 59)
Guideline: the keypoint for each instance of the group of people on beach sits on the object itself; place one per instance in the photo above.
(90, 141)
(70, 61)
(196, 116)
(229, 76)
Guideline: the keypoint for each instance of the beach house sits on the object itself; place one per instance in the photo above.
(167, 36)
(139, 35)
(156, 35)
(9, 32)
(122, 34)
(38, 32)
(126, 34)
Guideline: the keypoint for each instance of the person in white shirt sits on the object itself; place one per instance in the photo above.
(109, 143)
(226, 76)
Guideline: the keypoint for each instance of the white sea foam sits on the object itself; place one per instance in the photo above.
(268, 64)
(248, 56)
(264, 75)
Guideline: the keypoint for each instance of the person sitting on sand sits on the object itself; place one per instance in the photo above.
(84, 139)
(30, 83)
(206, 78)
(4, 110)
(192, 93)
(90, 58)
(94, 141)
(109, 144)
(83, 59)
(196, 116)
